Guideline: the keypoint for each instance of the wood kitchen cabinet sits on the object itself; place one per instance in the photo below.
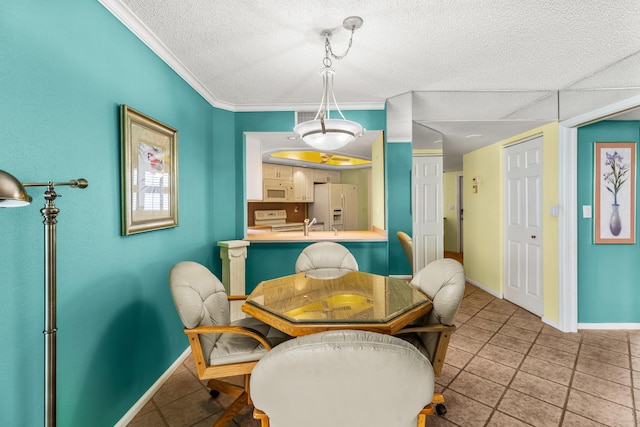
(279, 172)
(326, 176)
(303, 184)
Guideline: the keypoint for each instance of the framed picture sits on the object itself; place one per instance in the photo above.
(615, 188)
(149, 173)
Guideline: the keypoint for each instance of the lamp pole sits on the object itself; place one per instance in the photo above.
(50, 214)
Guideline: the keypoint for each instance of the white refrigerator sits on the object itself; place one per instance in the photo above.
(336, 206)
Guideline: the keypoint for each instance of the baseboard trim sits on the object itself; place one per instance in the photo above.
(146, 397)
(610, 326)
(484, 288)
(551, 323)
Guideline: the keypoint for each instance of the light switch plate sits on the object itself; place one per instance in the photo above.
(586, 211)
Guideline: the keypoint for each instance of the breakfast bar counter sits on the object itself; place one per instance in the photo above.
(261, 236)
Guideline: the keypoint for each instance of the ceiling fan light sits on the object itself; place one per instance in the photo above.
(336, 133)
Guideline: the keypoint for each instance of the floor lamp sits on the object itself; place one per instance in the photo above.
(13, 194)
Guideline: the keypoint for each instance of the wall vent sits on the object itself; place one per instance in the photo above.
(303, 116)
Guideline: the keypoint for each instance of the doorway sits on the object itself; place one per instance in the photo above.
(523, 224)
(427, 212)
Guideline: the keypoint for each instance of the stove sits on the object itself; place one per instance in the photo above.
(277, 219)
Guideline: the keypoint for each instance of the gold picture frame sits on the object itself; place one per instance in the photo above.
(615, 192)
(149, 173)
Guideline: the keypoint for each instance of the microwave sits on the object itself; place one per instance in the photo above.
(277, 191)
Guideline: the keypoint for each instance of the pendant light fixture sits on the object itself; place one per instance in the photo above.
(323, 132)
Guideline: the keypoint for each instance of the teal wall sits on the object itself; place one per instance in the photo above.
(269, 260)
(399, 161)
(608, 290)
(66, 67)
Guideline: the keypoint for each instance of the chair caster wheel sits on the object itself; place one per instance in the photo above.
(441, 409)
(214, 393)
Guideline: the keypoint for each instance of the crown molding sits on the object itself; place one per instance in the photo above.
(137, 27)
(308, 107)
(148, 37)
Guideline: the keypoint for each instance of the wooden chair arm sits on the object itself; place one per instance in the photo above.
(428, 410)
(422, 415)
(427, 328)
(237, 297)
(259, 415)
(201, 330)
(437, 359)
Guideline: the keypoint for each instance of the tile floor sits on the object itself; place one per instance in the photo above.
(504, 367)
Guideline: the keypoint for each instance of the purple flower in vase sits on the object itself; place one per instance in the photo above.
(616, 175)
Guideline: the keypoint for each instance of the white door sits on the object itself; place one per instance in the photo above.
(428, 220)
(523, 224)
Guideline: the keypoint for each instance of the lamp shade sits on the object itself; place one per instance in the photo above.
(334, 134)
(12, 192)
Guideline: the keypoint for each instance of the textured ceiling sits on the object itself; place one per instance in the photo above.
(248, 55)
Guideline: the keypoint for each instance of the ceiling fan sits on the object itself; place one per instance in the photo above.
(336, 158)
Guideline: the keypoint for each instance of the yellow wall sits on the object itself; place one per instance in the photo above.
(361, 178)
(484, 216)
(377, 185)
(450, 195)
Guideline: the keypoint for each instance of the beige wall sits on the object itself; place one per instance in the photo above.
(484, 216)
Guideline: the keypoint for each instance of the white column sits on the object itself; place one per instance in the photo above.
(233, 254)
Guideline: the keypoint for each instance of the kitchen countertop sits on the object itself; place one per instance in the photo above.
(255, 236)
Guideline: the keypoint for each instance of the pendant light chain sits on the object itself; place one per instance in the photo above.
(327, 80)
(328, 50)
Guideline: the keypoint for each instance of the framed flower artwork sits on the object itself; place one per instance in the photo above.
(615, 190)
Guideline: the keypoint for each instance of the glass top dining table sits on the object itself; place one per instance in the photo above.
(300, 305)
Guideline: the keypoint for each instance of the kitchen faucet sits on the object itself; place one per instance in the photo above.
(308, 224)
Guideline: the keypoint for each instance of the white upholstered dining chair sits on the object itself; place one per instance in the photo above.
(343, 378)
(220, 348)
(407, 246)
(326, 260)
(443, 281)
